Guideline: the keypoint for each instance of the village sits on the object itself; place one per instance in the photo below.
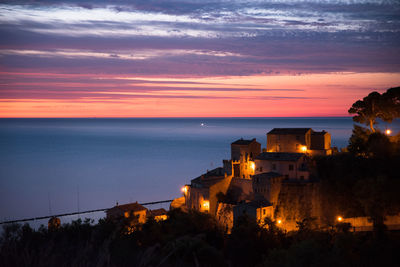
(274, 183)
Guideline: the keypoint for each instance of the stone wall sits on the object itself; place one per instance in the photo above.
(297, 201)
(245, 186)
(221, 186)
(224, 216)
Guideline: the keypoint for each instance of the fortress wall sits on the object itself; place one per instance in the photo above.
(221, 186)
(297, 201)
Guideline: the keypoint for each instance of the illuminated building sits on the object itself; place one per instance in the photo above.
(257, 209)
(132, 211)
(158, 214)
(299, 140)
(290, 165)
(243, 153)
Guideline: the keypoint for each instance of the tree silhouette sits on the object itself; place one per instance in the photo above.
(385, 106)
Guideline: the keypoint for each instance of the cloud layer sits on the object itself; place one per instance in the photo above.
(92, 46)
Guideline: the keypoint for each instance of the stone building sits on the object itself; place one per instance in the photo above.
(290, 165)
(158, 214)
(299, 140)
(267, 186)
(202, 192)
(261, 184)
(257, 209)
(132, 211)
(243, 153)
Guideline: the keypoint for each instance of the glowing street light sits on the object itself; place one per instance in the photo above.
(206, 205)
(279, 221)
(388, 131)
(340, 218)
(252, 166)
(184, 190)
(303, 149)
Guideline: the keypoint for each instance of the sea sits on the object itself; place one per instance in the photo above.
(56, 166)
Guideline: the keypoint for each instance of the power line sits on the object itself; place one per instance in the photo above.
(79, 212)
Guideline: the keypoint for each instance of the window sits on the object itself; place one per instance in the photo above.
(286, 176)
(297, 137)
(297, 146)
(260, 169)
(263, 211)
(274, 166)
(301, 177)
(291, 167)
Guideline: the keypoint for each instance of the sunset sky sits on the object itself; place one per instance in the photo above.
(195, 58)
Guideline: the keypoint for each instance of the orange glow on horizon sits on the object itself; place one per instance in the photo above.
(312, 95)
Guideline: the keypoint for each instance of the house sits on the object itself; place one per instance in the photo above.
(243, 153)
(290, 165)
(299, 140)
(202, 192)
(158, 214)
(257, 209)
(132, 211)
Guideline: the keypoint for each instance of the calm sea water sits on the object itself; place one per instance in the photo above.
(62, 165)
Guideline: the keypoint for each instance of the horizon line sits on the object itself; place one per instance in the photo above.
(173, 117)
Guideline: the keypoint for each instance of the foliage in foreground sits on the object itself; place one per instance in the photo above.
(192, 239)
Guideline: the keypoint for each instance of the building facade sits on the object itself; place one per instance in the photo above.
(290, 165)
(299, 140)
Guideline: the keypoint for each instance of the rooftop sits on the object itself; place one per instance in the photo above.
(280, 156)
(130, 207)
(210, 177)
(289, 131)
(242, 141)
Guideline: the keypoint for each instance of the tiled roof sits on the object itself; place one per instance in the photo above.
(210, 177)
(289, 131)
(280, 156)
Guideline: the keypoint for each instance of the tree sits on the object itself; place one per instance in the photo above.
(375, 105)
(367, 110)
(391, 101)
(358, 141)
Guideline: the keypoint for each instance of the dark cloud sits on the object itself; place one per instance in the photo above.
(267, 36)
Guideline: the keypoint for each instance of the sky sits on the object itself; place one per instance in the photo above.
(195, 58)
